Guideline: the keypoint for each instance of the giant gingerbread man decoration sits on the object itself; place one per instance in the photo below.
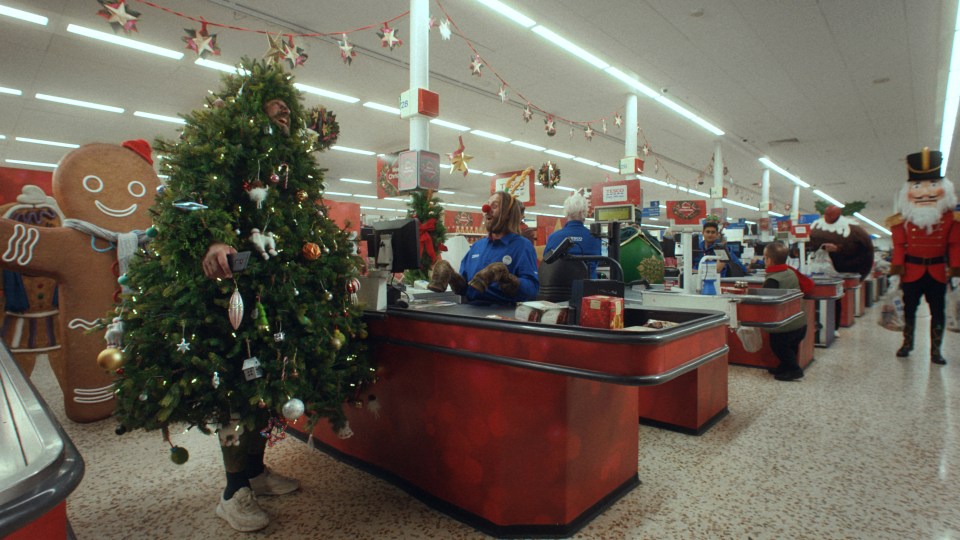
(104, 191)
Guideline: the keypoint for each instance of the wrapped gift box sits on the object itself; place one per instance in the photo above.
(541, 311)
(601, 311)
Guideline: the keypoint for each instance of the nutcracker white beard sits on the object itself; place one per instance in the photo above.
(925, 216)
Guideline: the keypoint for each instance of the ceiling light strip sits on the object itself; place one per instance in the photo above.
(828, 198)
(569, 46)
(124, 42)
(508, 12)
(325, 93)
(78, 103)
(23, 15)
(48, 143)
(488, 135)
(793, 178)
(528, 146)
(355, 181)
(875, 225)
(740, 204)
(32, 163)
(951, 101)
(11, 91)
(353, 150)
(381, 107)
(160, 117)
(450, 125)
(219, 66)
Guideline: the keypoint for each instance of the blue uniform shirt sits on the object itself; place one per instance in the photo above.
(704, 250)
(585, 243)
(512, 250)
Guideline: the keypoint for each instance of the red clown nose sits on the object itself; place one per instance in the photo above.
(485, 209)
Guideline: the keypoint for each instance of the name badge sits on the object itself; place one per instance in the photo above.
(507, 260)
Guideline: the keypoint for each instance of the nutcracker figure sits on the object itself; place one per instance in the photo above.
(926, 242)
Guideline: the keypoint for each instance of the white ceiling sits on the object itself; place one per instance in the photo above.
(858, 83)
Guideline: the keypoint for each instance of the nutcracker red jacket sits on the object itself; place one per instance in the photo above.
(911, 240)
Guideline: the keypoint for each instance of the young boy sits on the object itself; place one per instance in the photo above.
(786, 340)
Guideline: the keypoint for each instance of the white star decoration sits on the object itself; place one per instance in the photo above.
(119, 15)
(527, 113)
(503, 94)
(588, 133)
(388, 37)
(618, 120)
(183, 346)
(445, 30)
(346, 50)
(476, 64)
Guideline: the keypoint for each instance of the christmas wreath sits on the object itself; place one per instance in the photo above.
(548, 175)
(324, 123)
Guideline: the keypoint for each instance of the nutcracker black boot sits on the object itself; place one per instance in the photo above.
(936, 338)
(904, 350)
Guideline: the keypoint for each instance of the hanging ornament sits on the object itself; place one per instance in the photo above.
(110, 359)
(603, 125)
(311, 251)
(617, 119)
(431, 22)
(324, 123)
(549, 126)
(179, 455)
(548, 175)
(189, 206)
(292, 54)
(503, 94)
(388, 37)
(646, 149)
(588, 133)
(152, 231)
(445, 31)
(257, 192)
(373, 405)
(338, 339)
(119, 17)
(527, 114)
(259, 316)
(275, 431)
(265, 243)
(476, 64)
(353, 287)
(293, 409)
(215, 380)
(301, 195)
(459, 159)
(183, 346)
(114, 333)
(201, 42)
(235, 309)
(274, 52)
(251, 368)
(346, 51)
(345, 432)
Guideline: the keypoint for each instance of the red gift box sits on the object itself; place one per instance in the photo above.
(600, 311)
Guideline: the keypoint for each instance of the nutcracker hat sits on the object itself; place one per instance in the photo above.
(924, 165)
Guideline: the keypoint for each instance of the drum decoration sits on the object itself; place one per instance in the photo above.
(641, 259)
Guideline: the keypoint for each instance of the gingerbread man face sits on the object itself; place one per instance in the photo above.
(107, 185)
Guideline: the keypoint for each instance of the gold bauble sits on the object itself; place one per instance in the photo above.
(311, 251)
(110, 359)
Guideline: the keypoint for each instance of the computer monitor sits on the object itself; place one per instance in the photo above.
(735, 247)
(396, 244)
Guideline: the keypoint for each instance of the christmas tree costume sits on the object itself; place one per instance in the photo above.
(270, 342)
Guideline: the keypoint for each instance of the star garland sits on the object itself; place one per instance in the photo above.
(346, 51)
(476, 64)
(388, 37)
(201, 42)
(274, 52)
(292, 54)
(119, 17)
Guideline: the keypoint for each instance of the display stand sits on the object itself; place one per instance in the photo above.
(850, 300)
(516, 428)
(827, 291)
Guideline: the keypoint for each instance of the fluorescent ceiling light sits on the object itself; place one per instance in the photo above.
(740, 204)
(654, 219)
(529, 146)
(446, 166)
(353, 150)
(569, 46)
(560, 154)
(655, 181)
(33, 163)
(380, 107)
(124, 42)
(509, 12)
(367, 207)
(337, 193)
(775, 214)
(877, 226)
(586, 161)
(951, 101)
(12, 91)
(689, 116)
(362, 196)
(355, 181)
(564, 188)
(451, 125)
(747, 221)
(48, 143)
(457, 205)
(488, 135)
(395, 199)
(325, 93)
(663, 206)
(828, 198)
(489, 174)
(766, 161)
(656, 226)
(78, 103)
(633, 83)
(162, 118)
(445, 192)
(473, 206)
(474, 171)
(702, 194)
(2, 137)
(554, 206)
(219, 66)
(23, 15)
(608, 168)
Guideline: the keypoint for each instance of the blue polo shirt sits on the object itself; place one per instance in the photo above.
(584, 242)
(711, 250)
(512, 250)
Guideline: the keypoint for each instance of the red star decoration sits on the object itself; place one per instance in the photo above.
(549, 126)
(346, 50)
(201, 42)
(618, 120)
(476, 64)
(588, 133)
(388, 37)
(527, 113)
(119, 17)
(292, 54)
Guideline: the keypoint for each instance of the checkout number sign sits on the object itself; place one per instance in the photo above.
(615, 201)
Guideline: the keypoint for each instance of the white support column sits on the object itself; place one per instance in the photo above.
(765, 193)
(419, 69)
(630, 137)
(795, 205)
(717, 200)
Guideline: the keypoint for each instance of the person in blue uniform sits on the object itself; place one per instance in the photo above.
(575, 209)
(710, 243)
(500, 268)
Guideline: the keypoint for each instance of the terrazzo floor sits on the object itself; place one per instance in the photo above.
(865, 446)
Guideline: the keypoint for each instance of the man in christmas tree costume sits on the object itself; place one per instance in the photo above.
(501, 268)
(926, 239)
(212, 343)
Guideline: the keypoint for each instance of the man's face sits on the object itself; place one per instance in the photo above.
(278, 113)
(490, 216)
(925, 193)
(710, 235)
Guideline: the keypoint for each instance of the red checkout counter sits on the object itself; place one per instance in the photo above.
(39, 465)
(519, 428)
(850, 303)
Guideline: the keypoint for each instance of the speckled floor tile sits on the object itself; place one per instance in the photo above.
(865, 446)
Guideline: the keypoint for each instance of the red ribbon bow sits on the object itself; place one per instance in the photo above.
(426, 241)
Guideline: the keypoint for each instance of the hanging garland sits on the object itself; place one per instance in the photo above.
(548, 175)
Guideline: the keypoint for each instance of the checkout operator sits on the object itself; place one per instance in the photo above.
(500, 268)
(710, 243)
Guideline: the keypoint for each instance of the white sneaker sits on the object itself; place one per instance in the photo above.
(242, 511)
(271, 483)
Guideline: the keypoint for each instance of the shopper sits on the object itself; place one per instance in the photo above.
(500, 268)
(710, 243)
(575, 209)
(926, 238)
(785, 341)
